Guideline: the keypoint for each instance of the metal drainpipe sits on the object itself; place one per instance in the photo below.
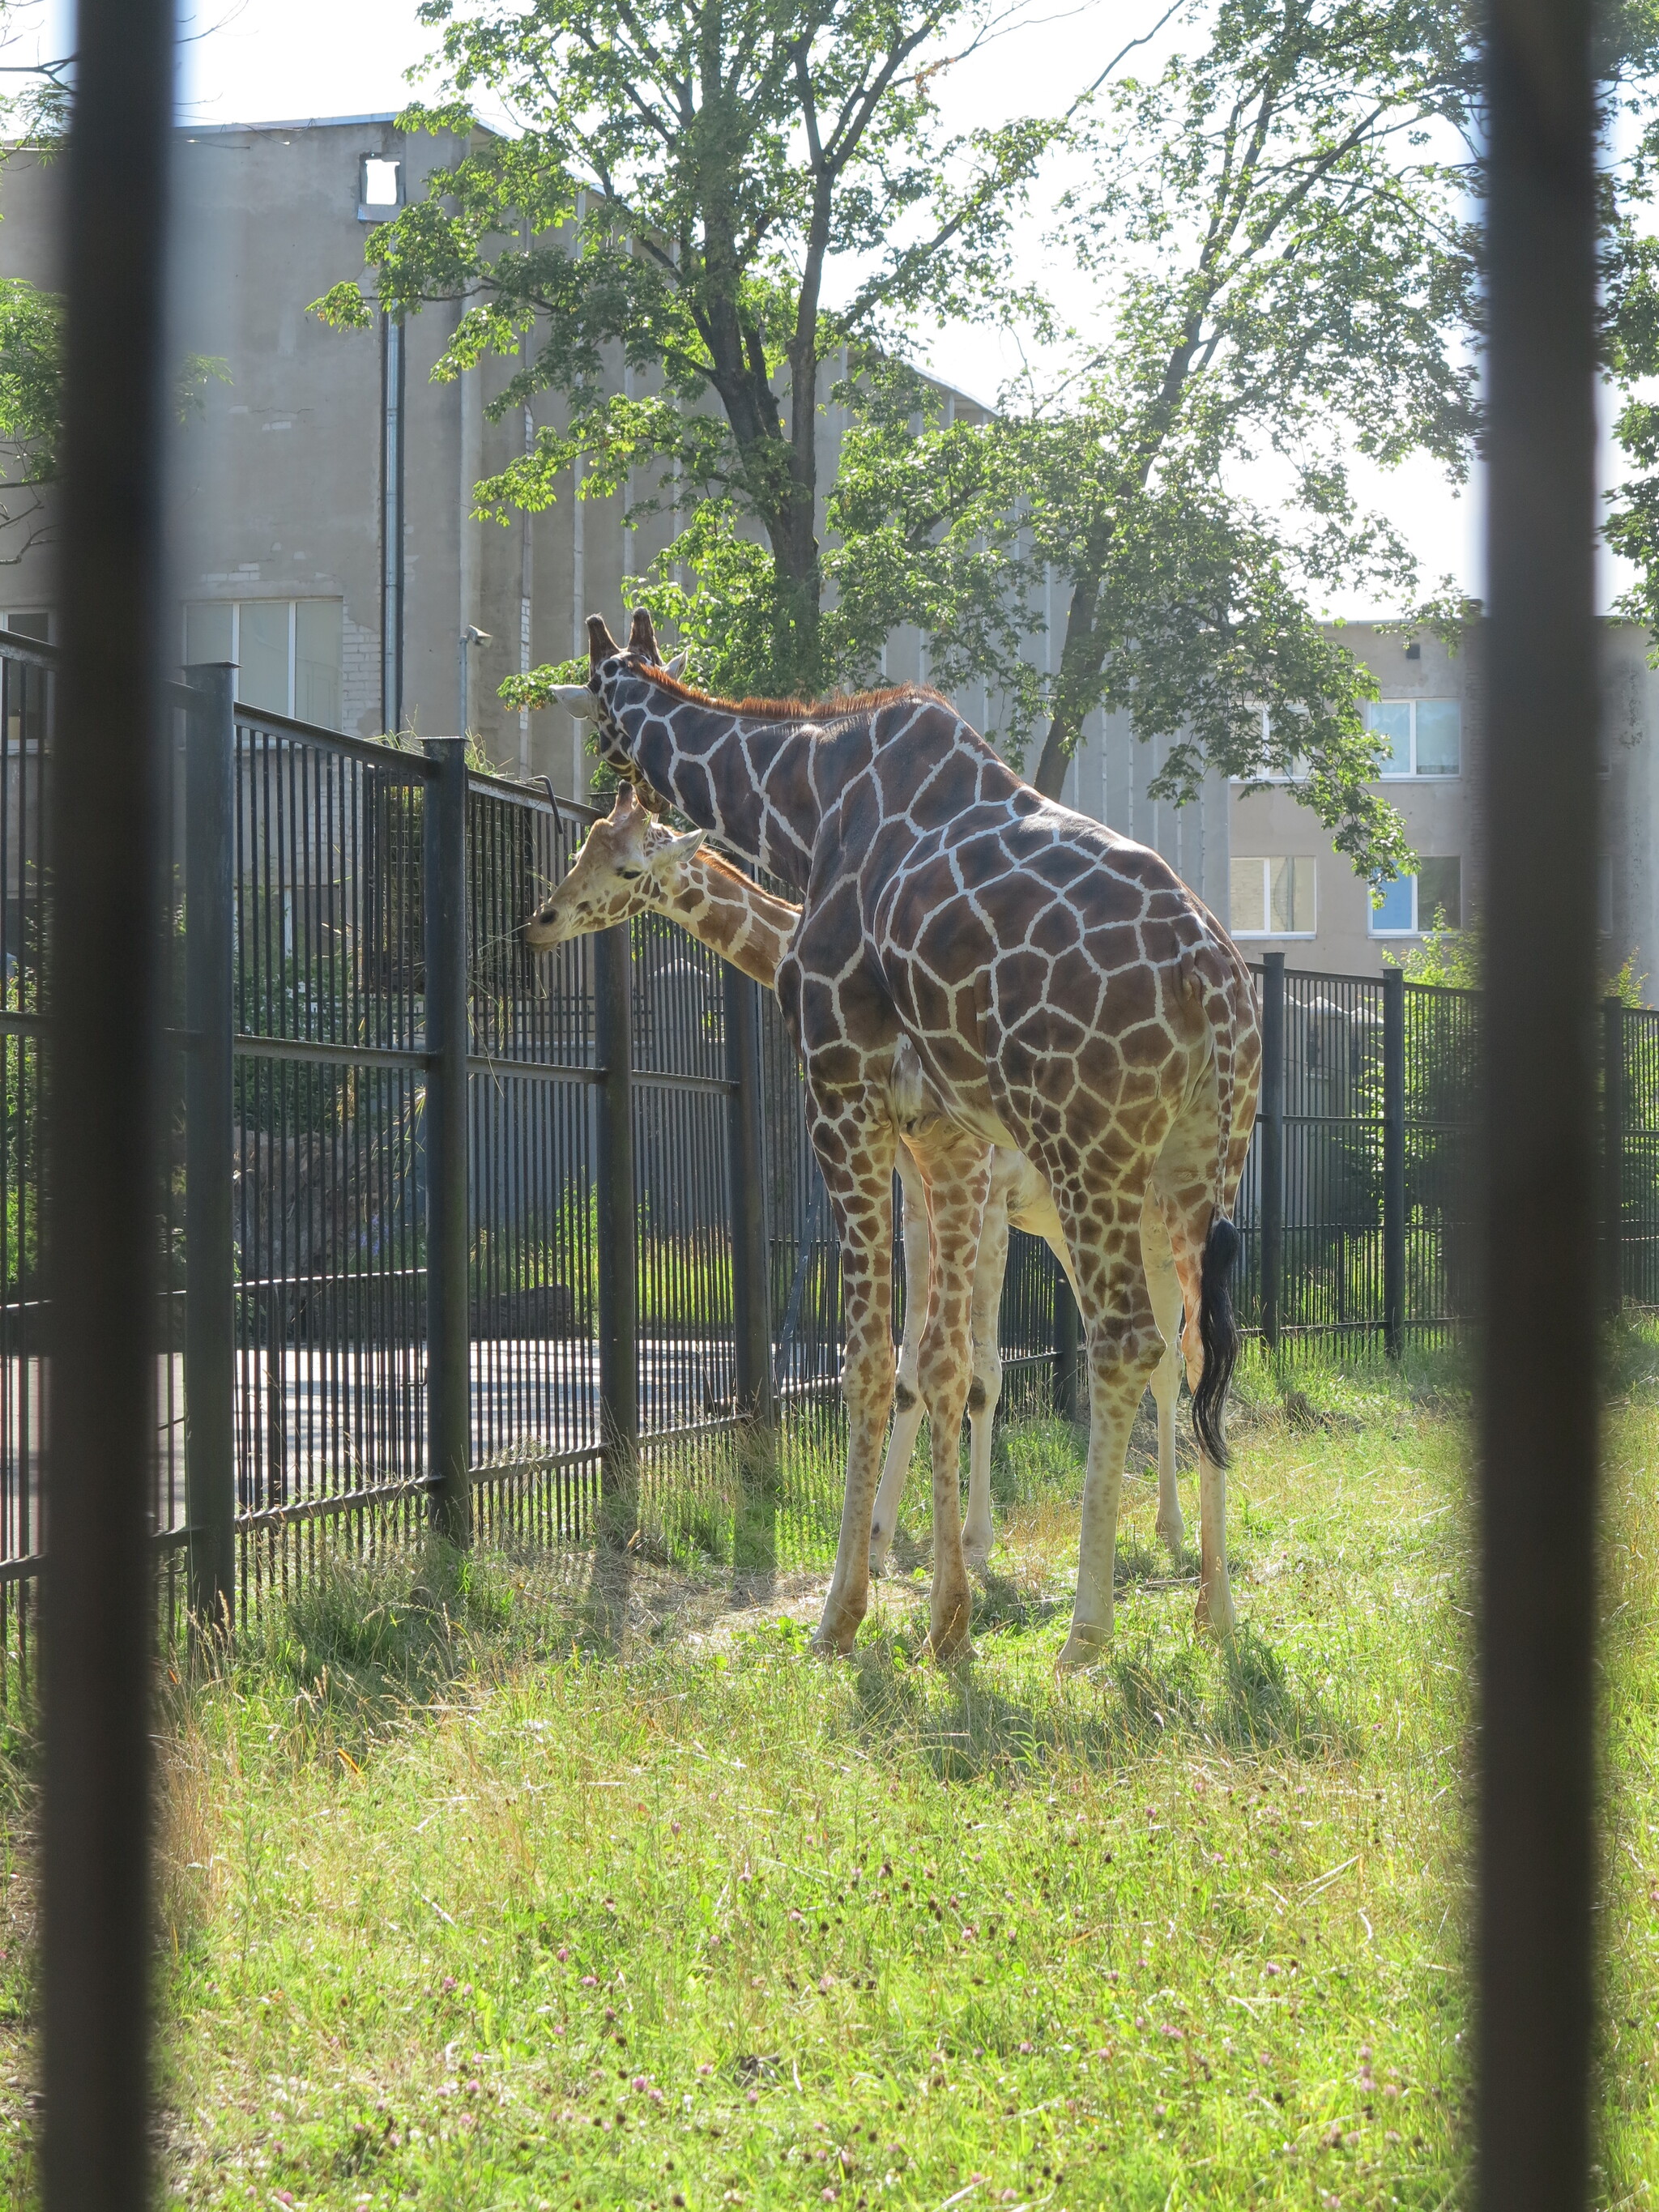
(392, 525)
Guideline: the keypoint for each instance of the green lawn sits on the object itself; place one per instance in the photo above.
(578, 1887)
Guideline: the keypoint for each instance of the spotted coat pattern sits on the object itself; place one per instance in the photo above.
(630, 864)
(1065, 995)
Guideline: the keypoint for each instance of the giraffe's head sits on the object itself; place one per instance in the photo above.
(627, 863)
(611, 666)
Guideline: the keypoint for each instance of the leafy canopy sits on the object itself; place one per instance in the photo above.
(689, 176)
(1274, 266)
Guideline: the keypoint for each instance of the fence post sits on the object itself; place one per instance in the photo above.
(448, 1350)
(1612, 1154)
(209, 1282)
(618, 1254)
(752, 1302)
(1394, 1161)
(1067, 1344)
(1273, 1143)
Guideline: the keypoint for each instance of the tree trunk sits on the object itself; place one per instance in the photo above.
(1053, 761)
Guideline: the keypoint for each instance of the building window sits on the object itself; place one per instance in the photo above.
(29, 622)
(1431, 899)
(380, 188)
(1271, 897)
(1425, 736)
(288, 652)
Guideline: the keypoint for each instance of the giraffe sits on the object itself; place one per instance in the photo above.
(1065, 996)
(630, 863)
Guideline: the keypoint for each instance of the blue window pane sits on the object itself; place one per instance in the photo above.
(1397, 912)
(1391, 718)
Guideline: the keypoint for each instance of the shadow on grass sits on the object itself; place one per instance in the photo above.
(1238, 1700)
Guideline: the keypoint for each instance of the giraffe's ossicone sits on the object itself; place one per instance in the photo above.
(1065, 995)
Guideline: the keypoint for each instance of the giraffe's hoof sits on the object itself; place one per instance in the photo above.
(829, 1647)
(1218, 1621)
(949, 1641)
(1173, 1535)
(1084, 1647)
(977, 1550)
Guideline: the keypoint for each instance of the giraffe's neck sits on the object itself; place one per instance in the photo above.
(750, 780)
(732, 917)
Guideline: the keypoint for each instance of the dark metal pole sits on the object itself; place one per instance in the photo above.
(1273, 1143)
(1394, 1161)
(751, 1303)
(103, 1179)
(618, 1315)
(1613, 1156)
(1537, 1390)
(210, 1331)
(448, 1349)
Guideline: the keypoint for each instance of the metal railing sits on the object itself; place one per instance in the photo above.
(454, 1230)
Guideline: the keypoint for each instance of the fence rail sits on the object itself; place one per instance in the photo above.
(456, 1230)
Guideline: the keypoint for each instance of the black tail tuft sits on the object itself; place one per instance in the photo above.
(1218, 1333)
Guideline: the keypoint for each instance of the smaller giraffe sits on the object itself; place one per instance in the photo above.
(628, 863)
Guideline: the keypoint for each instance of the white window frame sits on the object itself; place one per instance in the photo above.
(1413, 775)
(1418, 928)
(1278, 935)
(236, 606)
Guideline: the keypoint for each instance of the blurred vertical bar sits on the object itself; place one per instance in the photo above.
(209, 1312)
(1537, 1410)
(1394, 1161)
(618, 1236)
(751, 1318)
(448, 1350)
(1273, 1143)
(103, 1210)
(1613, 1157)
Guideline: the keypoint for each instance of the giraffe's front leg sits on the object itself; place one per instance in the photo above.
(853, 1142)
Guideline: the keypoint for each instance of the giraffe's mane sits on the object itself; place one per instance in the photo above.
(790, 710)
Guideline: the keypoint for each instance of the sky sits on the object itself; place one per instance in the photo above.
(249, 61)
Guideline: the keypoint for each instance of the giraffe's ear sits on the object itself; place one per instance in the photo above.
(676, 667)
(601, 645)
(665, 860)
(576, 699)
(643, 637)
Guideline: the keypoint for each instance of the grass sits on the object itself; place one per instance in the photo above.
(579, 1884)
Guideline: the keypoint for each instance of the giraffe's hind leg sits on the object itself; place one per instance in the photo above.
(1123, 1351)
(908, 1406)
(853, 1139)
(979, 1533)
(958, 1180)
(1185, 1186)
(1164, 1288)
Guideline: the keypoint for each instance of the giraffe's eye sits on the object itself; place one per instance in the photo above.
(629, 875)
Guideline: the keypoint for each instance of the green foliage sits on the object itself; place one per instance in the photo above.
(1271, 259)
(686, 180)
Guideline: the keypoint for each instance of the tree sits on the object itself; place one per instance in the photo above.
(688, 174)
(1279, 268)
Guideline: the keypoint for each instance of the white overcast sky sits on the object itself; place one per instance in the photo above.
(249, 61)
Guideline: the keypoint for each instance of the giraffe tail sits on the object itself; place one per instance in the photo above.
(1218, 1331)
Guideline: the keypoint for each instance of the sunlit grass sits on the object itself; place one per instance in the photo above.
(532, 1885)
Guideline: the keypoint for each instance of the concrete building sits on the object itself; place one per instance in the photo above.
(322, 536)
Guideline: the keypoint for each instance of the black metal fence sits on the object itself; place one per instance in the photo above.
(584, 1286)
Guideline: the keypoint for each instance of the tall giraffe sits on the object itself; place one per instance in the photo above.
(1066, 996)
(630, 864)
